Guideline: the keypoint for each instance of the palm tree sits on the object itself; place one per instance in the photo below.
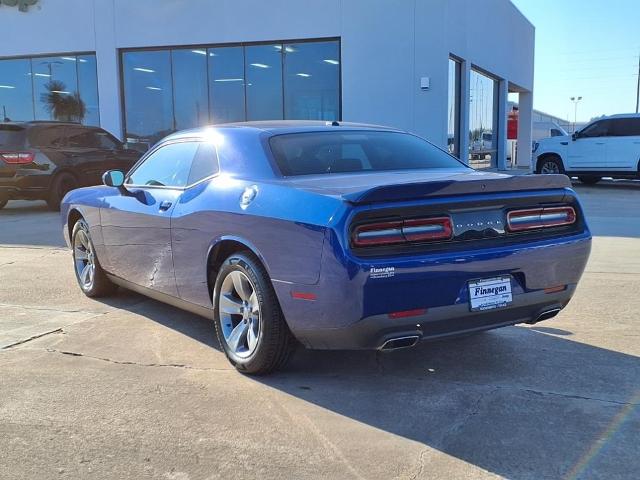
(63, 105)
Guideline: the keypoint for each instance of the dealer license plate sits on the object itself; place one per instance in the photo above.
(490, 293)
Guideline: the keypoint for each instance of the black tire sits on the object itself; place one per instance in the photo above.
(274, 340)
(589, 180)
(550, 162)
(101, 286)
(61, 184)
(3, 203)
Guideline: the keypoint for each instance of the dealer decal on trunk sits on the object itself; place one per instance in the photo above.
(383, 272)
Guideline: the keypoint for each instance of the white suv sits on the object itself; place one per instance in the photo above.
(607, 147)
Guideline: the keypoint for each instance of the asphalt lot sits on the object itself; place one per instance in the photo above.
(131, 388)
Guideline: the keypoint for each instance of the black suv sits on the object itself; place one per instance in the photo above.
(45, 160)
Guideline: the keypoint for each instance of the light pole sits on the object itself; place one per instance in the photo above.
(575, 101)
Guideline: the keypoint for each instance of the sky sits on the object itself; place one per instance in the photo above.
(586, 48)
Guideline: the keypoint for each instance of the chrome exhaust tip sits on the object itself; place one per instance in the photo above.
(400, 342)
(546, 315)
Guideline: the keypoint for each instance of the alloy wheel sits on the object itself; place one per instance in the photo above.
(84, 259)
(550, 167)
(239, 311)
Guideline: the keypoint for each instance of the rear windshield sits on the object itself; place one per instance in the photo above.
(355, 151)
(11, 136)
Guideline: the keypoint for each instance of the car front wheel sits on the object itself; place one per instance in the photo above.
(248, 320)
(91, 277)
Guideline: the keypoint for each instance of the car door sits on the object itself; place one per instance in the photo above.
(623, 144)
(84, 155)
(136, 220)
(587, 150)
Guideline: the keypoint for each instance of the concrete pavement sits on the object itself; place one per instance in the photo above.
(131, 388)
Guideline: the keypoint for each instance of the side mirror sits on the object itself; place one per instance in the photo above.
(113, 178)
(575, 136)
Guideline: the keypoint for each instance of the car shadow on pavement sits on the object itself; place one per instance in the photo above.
(520, 402)
(38, 226)
(516, 402)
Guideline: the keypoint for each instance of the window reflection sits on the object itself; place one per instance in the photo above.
(312, 72)
(263, 67)
(55, 89)
(482, 121)
(62, 88)
(148, 95)
(453, 108)
(226, 79)
(88, 88)
(190, 88)
(174, 89)
(16, 97)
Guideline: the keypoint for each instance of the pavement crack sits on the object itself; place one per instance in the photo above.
(138, 364)
(420, 466)
(577, 397)
(34, 337)
(48, 309)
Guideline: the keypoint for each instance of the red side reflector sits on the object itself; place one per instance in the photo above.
(17, 158)
(557, 289)
(408, 313)
(304, 296)
(534, 218)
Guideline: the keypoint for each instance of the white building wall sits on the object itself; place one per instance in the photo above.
(387, 45)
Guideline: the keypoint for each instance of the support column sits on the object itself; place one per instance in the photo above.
(108, 66)
(501, 132)
(465, 95)
(525, 118)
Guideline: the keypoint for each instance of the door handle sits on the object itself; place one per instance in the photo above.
(599, 143)
(166, 205)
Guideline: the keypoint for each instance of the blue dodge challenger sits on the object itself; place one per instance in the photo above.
(334, 235)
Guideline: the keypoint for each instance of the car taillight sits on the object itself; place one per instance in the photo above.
(533, 218)
(17, 158)
(402, 231)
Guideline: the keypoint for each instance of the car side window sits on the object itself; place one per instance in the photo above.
(625, 127)
(49, 136)
(555, 132)
(205, 163)
(597, 129)
(168, 166)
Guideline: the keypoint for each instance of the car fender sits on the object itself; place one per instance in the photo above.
(238, 239)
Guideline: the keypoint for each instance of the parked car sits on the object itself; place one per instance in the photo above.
(45, 160)
(607, 147)
(542, 130)
(341, 236)
(482, 146)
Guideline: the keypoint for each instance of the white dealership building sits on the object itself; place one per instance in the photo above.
(443, 69)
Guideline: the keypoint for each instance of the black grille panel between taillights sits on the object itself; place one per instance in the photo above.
(451, 227)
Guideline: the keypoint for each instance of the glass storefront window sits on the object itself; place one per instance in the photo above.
(226, 84)
(263, 67)
(148, 96)
(16, 96)
(178, 88)
(190, 88)
(482, 120)
(312, 79)
(88, 88)
(61, 88)
(453, 108)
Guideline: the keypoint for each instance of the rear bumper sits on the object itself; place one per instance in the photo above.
(24, 187)
(440, 322)
(349, 307)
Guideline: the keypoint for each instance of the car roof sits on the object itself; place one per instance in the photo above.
(278, 127)
(618, 115)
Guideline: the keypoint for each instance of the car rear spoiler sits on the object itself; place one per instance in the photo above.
(467, 186)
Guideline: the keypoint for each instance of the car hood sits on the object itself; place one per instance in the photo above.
(406, 185)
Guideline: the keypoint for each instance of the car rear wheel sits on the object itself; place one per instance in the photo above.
(550, 165)
(91, 277)
(589, 180)
(62, 184)
(248, 320)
